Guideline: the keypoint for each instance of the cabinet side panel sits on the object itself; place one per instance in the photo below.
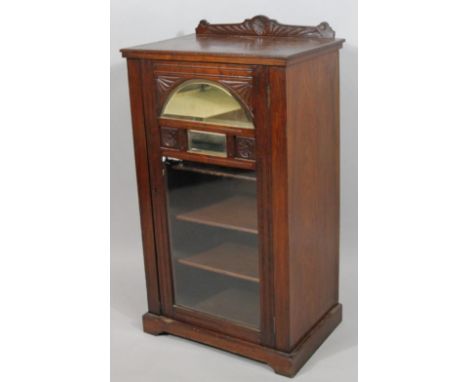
(313, 190)
(143, 181)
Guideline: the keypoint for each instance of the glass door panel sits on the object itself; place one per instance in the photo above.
(206, 101)
(212, 214)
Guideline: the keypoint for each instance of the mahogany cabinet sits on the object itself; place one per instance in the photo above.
(236, 135)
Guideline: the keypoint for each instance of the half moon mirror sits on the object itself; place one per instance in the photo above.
(206, 101)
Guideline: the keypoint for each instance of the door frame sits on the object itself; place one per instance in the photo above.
(155, 91)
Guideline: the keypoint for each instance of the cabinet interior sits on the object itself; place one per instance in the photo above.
(212, 212)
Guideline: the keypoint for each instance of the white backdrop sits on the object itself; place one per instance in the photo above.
(135, 22)
(54, 209)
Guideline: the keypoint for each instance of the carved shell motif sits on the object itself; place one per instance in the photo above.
(164, 84)
(263, 26)
(242, 88)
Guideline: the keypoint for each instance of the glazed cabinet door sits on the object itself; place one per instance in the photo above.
(208, 196)
(212, 219)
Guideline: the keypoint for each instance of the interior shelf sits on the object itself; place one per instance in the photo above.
(230, 259)
(237, 213)
(215, 170)
(236, 304)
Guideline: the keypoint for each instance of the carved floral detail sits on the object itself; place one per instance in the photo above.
(245, 148)
(169, 137)
(263, 26)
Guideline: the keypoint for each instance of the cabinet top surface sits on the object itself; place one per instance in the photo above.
(255, 41)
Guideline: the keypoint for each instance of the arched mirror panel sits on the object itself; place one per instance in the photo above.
(208, 102)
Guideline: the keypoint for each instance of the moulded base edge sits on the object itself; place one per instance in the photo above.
(287, 364)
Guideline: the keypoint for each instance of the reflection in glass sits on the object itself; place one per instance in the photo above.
(208, 102)
(213, 235)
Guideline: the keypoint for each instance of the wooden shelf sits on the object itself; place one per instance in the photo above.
(237, 213)
(216, 171)
(233, 304)
(230, 259)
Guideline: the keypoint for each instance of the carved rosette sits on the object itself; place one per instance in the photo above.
(170, 137)
(261, 26)
(245, 148)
